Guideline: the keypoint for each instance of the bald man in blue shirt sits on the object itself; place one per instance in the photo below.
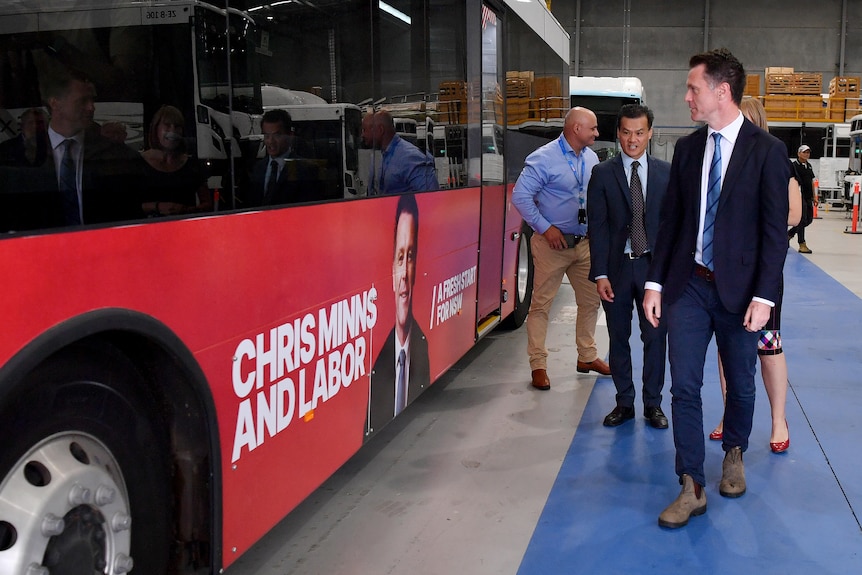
(551, 195)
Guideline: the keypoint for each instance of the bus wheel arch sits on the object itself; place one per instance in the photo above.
(123, 397)
(523, 292)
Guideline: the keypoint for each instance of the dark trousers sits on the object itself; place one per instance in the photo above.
(804, 221)
(628, 293)
(692, 321)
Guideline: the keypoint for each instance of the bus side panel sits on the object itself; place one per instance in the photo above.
(285, 432)
(491, 252)
(447, 272)
(285, 310)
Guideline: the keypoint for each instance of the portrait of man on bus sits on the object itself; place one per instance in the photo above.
(401, 371)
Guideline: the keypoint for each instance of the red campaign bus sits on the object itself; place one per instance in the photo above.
(185, 358)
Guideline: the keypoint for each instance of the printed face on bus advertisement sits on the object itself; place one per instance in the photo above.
(275, 138)
(634, 135)
(404, 269)
(73, 110)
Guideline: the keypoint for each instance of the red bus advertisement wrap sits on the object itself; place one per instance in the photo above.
(227, 268)
(296, 391)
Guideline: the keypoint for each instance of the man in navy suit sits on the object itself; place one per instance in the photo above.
(623, 205)
(716, 268)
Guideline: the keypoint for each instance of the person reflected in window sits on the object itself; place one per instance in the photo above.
(115, 131)
(282, 176)
(30, 147)
(174, 183)
(86, 178)
(404, 167)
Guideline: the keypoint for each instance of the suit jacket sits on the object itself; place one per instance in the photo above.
(111, 180)
(299, 181)
(383, 378)
(750, 239)
(609, 212)
(13, 152)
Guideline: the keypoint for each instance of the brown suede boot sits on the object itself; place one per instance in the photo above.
(732, 474)
(691, 501)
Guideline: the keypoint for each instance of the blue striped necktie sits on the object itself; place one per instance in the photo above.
(713, 190)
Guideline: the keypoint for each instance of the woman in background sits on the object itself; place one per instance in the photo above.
(773, 364)
(174, 183)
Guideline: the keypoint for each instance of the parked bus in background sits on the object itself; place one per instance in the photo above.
(187, 353)
(605, 96)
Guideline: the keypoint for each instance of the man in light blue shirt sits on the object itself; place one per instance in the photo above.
(551, 195)
(404, 167)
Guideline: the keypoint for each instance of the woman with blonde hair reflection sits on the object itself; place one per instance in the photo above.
(174, 183)
(773, 364)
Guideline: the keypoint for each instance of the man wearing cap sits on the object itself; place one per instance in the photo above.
(805, 175)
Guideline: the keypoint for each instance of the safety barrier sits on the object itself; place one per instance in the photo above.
(852, 228)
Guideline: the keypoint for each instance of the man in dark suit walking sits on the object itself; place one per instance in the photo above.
(402, 370)
(623, 205)
(716, 268)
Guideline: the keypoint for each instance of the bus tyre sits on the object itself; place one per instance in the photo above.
(523, 280)
(84, 485)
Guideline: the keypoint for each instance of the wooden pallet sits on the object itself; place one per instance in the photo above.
(752, 85)
(798, 83)
(844, 86)
(452, 91)
(547, 87)
(795, 107)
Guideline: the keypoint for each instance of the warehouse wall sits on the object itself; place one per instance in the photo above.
(653, 40)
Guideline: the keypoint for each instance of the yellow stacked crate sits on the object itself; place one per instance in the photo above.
(452, 103)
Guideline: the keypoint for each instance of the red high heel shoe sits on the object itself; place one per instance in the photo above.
(716, 435)
(781, 446)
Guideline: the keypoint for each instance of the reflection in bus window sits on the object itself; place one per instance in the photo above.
(173, 183)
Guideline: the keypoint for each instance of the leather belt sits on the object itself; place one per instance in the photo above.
(704, 273)
(572, 240)
(632, 256)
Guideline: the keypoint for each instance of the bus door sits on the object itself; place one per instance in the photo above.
(493, 184)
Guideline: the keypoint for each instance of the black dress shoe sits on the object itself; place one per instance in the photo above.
(619, 415)
(656, 417)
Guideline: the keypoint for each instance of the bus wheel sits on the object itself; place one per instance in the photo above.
(84, 486)
(523, 280)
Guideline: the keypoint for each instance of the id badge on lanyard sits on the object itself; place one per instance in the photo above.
(579, 178)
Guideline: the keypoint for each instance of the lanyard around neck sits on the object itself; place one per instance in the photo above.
(579, 177)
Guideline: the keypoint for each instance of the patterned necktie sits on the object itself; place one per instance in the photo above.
(69, 184)
(271, 183)
(638, 230)
(713, 190)
(401, 388)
